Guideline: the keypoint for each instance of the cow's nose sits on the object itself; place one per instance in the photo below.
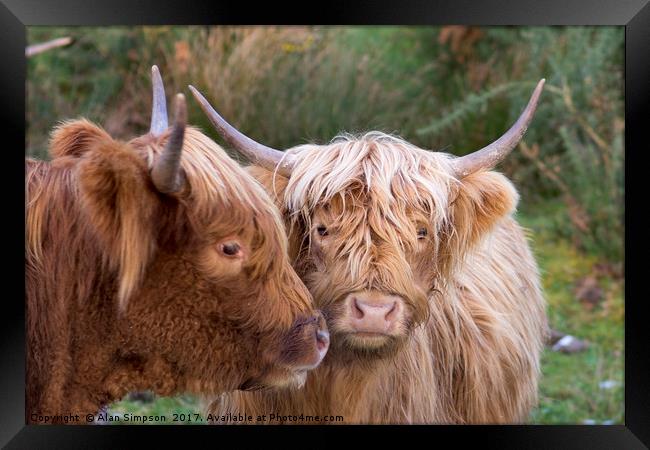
(374, 313)
(322, 335)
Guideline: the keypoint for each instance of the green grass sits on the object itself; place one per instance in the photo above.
(569, 387)
(179, 410)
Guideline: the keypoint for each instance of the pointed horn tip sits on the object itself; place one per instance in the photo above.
(155, 74)
(534, 98)
(180, 110)
(156, 77)
(491, 155)
(205, 105)
(195, 92)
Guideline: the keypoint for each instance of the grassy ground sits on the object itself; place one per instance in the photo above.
(179, 410)
(570, 391)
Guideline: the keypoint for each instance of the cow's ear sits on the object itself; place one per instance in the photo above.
(273, 183)
(73, 138)
(483, 198)
(121, 207)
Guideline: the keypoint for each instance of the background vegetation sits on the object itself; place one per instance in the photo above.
(452, 88)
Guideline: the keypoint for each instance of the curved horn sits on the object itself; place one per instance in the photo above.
(159, 106)
(166, 173)
(256, 153)
(489, 156)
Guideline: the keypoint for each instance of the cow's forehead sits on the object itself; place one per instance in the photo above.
(386, 169)
(222, 197)
(354, 214)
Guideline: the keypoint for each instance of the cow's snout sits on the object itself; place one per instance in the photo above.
(374, 312)
(322, 337)
(307, 343)
(322, 340)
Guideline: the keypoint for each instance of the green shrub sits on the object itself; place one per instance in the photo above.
(449, 88)
(574, 147)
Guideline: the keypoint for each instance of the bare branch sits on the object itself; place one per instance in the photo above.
(45, 46)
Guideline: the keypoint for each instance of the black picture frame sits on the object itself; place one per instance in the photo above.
(634, 15)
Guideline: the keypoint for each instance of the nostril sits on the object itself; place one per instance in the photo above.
(390, 315)
(356, 309)
(322, 339)
(322, 336)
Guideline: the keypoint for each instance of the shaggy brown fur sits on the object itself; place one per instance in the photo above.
(129, 289)
(469, 345)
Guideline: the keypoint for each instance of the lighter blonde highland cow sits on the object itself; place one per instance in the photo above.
(427, 282)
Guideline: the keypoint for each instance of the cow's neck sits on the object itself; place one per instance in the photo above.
(390, 390)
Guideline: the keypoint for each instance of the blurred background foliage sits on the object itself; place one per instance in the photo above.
(451, 88)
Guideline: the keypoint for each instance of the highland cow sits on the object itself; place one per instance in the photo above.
(426, 280)
(156, 264)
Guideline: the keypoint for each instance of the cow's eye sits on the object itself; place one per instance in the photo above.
(422, 233)
(231, 249)
(321, 230)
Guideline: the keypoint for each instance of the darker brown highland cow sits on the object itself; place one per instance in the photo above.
(426, 280)
(156, 264)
